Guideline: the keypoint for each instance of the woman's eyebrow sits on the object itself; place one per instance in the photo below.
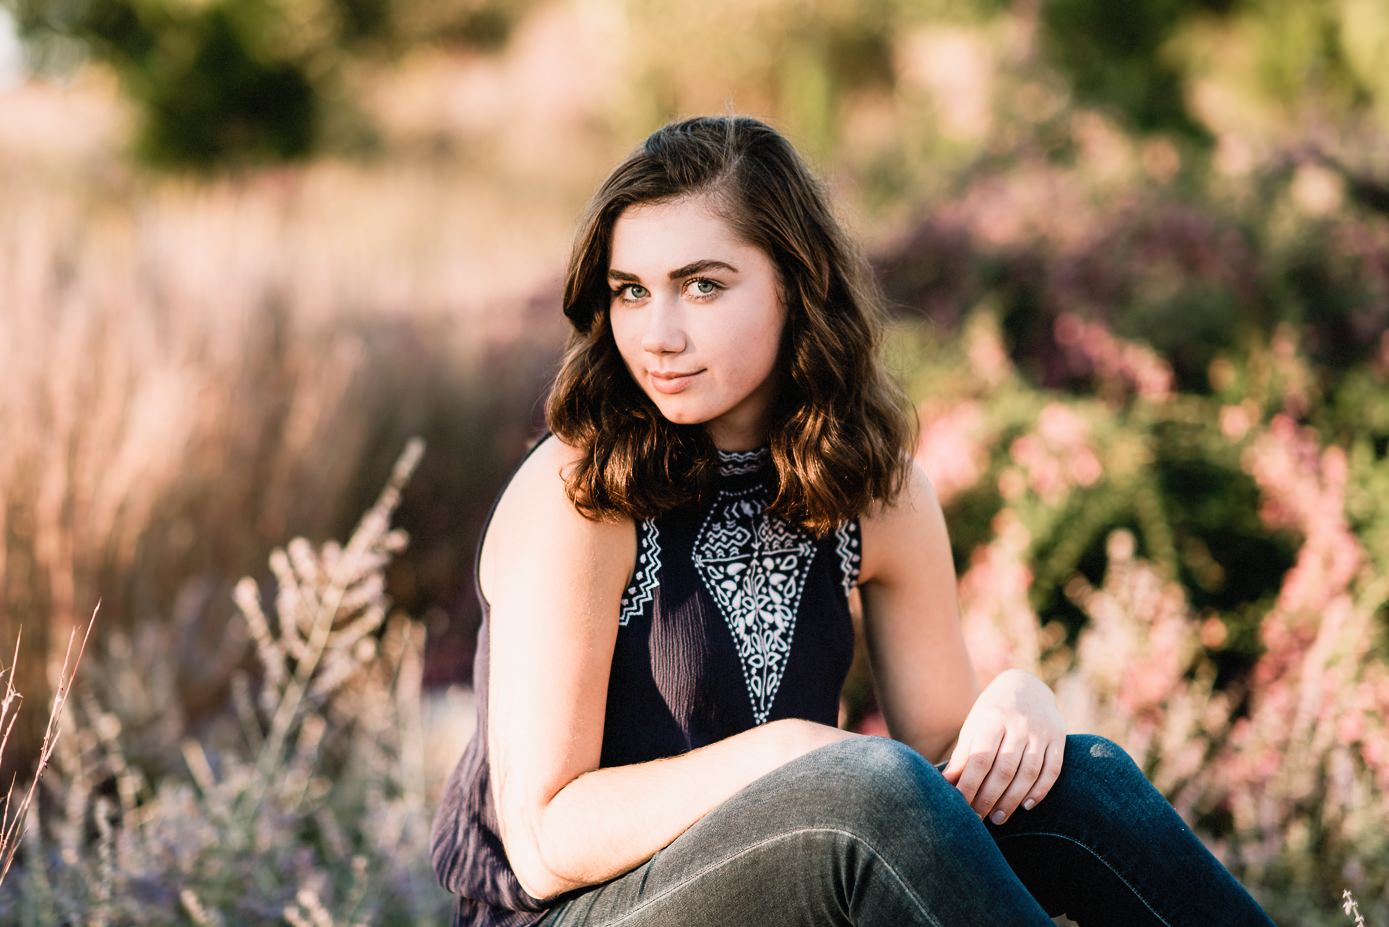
(693, 267)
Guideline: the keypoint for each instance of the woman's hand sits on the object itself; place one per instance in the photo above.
(1010, 746)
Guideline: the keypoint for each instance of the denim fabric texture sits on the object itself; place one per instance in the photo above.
(867, 832)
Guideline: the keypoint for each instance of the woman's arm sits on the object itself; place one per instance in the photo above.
(554, 582)
(610, 820)
(1007, 740)
(922, 673)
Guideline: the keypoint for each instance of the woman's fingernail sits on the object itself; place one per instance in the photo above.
(1028, 804)
(999, 817)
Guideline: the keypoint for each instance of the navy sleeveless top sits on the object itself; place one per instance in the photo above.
(732, 618)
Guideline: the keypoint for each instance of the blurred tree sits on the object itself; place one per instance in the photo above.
(1115, 55)
(1281, 61)
(236, 82)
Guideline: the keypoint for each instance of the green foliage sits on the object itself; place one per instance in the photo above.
(1168, 474)
(245, 82)
(1113, 54)
(215, 96)
(1143, 60)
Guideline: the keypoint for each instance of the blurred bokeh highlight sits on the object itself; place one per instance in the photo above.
(1137, 264)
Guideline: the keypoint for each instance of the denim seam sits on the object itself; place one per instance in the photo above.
(1117, 874)
(748, 849)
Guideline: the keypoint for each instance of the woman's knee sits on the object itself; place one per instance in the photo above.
(1099, 772)
(865, 782)
(867, 764)
(851, 805)
(1098, 755)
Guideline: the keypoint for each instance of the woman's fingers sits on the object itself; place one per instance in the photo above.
(972, 760)
(1025, 780)
(1051, 770)
(1002, 773)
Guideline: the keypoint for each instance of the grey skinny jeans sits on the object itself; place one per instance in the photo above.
(867, 832)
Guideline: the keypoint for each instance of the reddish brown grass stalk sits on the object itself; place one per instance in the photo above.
(12, 827)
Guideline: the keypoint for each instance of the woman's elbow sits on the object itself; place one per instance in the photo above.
(537, 881)
(522, 840)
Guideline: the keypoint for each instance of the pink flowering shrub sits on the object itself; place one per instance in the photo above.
(1117, 363)
(1202, 578)
(1001, 629)
(951, 450)
(1304, 775)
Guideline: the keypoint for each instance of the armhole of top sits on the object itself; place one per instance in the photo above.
(486, 522)
(646, 571)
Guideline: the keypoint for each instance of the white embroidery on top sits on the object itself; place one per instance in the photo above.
(647, 574)
(736, 463)
(848, 549)
(754, 566)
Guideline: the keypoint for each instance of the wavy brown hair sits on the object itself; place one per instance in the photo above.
(842, 431)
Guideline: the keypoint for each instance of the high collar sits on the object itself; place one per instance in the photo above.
(744, 463)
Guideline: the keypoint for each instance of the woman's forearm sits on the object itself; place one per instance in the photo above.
(610, 820)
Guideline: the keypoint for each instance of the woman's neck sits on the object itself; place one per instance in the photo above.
(736, 437)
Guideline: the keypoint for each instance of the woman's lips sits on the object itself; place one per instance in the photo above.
(673, 384)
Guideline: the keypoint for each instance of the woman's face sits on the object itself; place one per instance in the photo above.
(690, 299)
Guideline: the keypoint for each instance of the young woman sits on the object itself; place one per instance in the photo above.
(665, 584)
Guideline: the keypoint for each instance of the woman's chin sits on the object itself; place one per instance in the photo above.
(679, 414)
(686, 419)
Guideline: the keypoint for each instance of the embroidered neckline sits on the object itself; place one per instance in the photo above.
(738, 463)
(755, 568)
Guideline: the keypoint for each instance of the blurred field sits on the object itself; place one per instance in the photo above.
(1151, 363)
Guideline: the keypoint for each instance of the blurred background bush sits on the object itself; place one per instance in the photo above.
(1137, 262)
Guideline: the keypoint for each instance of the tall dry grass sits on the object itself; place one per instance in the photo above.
(304, 801)
(195, 370)
(14, 815)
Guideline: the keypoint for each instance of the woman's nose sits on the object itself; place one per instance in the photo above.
(664, 334)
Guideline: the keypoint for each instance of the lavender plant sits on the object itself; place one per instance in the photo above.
(305, 803)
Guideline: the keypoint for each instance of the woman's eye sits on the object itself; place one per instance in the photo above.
(631, 292)
(618, 291)
(705, 293)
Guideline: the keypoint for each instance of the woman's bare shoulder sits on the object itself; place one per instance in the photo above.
(535, 514)
(539, 483)
(544, 467)
(907, 525)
